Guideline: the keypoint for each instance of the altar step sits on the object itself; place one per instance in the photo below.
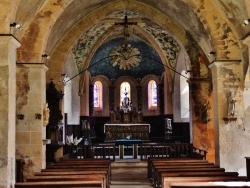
(127, 173)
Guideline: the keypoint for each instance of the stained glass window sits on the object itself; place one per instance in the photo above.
(152, 95)
(97, 94)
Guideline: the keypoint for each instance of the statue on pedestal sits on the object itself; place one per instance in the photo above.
(231, 105)
(126, 104)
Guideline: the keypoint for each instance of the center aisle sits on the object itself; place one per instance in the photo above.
(127, 173)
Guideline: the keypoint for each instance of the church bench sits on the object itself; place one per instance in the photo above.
(166, 181)
(60, 184)
(74, 165)
(156, 167)
(152, 160)
(88, 177)
(79, 171)
(157, 176)
(86, 159)
(217, 184)
(161, 175)
(69, 173)
(74, 169)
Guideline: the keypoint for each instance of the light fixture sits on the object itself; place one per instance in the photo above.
(64, 78)
(212, 53)
(246, 22)
(46, 56)
(16, 25)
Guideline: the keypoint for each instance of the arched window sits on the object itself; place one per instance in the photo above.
(184, 93)
(152, 95)
(97, 94)
(124, 91)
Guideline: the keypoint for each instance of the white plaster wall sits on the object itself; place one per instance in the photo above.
(182, 65)
(72, 99)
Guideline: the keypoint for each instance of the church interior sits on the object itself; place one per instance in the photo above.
(85, 73)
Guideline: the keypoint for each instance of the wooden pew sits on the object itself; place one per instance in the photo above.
(60, 184)
(89, 177)
(70, 173)
(156, 180)
(167, 181)
(75, 168)
(95, 173)
(193, 174)
(210, 184)
(156, 167)
(85, 170)
(155, 160)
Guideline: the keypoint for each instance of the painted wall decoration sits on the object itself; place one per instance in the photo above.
(85, 43)
(101, 63)
(125, 56)
(169, 46)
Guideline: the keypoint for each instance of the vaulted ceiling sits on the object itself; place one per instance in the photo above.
(55, 27)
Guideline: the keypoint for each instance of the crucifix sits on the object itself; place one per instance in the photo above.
(126, 23)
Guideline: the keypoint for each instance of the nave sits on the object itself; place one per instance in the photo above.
(154, 172)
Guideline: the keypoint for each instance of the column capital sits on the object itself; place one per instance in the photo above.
(9, 38)
(34, 65)
(219, 63)
(246, 40)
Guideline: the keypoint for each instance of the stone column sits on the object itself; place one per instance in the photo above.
(8, 46)
(226, 78)
(246, 94)
(168, 96)
(31, 128)
(84, 94)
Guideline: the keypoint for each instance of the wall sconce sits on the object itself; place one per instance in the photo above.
(64, 78)
(212, 53)
(16, 25)
(246, 22)
(46, 56)
(46, 141)
(38, 116)
(230, 119)
(20, 116)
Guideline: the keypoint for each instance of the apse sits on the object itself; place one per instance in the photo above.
(150, 61)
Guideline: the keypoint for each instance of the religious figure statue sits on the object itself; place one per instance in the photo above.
(231, 105)
(126, 104)
(46, 115)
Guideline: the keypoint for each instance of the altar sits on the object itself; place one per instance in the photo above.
(129, 130)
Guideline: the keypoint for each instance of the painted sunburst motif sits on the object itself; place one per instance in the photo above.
(125, 57)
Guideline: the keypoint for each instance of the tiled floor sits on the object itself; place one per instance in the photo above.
(129, 173)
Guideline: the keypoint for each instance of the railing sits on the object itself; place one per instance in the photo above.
(145, 150)
(90, 151)
(169, 150)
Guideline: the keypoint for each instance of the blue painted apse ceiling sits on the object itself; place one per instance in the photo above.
(150, 61)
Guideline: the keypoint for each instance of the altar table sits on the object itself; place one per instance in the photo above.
(120, 131)
(122, 142)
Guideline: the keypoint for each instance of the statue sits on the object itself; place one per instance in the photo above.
(46, 112)
(126, 104)
(231, 105)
